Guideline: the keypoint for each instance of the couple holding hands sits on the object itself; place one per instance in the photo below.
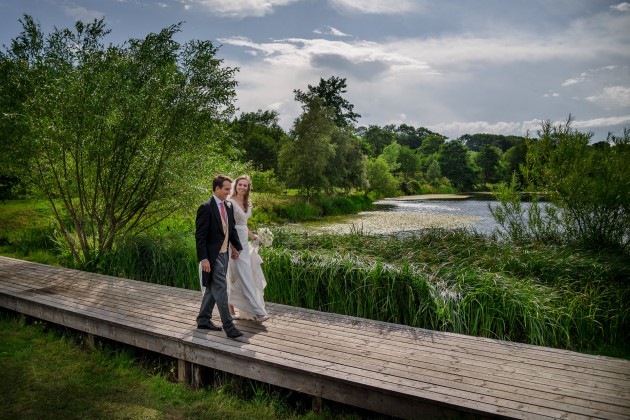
(221, 228)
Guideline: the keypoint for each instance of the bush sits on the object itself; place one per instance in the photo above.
(589, 185)
(266, 182)
(298, 212)
(334, 206)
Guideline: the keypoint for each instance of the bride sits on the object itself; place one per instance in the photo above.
(245, 279)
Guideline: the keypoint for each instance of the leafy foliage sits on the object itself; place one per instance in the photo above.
(455, 165)
(259, 136)
(380, 179)
(589, 187)
(116, 137)
(330, 91)
(304, 158)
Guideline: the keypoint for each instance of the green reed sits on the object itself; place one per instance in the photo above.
(458, 281)
(167, 258)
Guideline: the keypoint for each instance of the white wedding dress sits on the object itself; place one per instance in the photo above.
(245, 278)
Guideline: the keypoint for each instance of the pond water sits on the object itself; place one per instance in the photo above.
(472, 213)
(416, 213)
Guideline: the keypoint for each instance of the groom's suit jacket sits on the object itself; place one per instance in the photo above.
(209, 235)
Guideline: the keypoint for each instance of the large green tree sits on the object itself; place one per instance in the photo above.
(116, 137)
(331, 92)
(455, 165)
(409, 162)
(304, 157)
(259, 136)
(377, 138)
(488, 159)
(346, 169)
(431, 144)
(380, 179)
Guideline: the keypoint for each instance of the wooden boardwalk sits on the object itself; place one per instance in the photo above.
(392, 369)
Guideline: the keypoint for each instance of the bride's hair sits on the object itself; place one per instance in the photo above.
(246, 203)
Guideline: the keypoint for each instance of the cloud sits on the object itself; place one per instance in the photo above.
(83, 14)
(612, 96)
(360, 59)
(451, 82)
(575, 80)
(602, 122)
(240, 8)
(622, 7)
(379, 7)
(361, 69)
(455, 130)
(329, 30)
(458, 129)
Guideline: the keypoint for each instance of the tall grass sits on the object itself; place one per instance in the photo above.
(163, 256)
(460, 282)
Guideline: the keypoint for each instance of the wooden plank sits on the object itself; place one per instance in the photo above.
(347, 359)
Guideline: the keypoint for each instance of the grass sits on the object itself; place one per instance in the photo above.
(49, 372)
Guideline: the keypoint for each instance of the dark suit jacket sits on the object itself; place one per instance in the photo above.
(209, 234)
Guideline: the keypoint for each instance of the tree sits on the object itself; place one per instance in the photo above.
(304, 158)
(431, 144)
(115, 137)
(390, 154)
(330, 91)
(434, 175)
(378, 138)
(346, 169)
(408, 161)
(489, 162)
(380, 179)
(259, 136)
(590, 185)
(474, 142)
(512, 160)
(455, 166)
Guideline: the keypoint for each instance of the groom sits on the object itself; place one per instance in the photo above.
(215, 230)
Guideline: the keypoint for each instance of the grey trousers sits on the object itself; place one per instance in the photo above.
(216, 293)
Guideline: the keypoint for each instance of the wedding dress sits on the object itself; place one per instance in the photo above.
(245, 278)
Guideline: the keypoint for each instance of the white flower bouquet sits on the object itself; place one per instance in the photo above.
(265, 237)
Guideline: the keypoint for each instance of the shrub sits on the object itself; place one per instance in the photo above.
(590, 186)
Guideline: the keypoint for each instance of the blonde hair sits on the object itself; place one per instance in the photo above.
(246, 203)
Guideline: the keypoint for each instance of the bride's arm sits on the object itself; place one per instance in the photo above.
(251, 235)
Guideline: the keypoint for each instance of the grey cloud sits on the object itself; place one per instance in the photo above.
(362, 70)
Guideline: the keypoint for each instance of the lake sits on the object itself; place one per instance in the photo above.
(421, 212)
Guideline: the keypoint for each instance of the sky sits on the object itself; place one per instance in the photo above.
(453, 66)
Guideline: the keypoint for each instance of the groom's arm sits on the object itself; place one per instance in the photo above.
(202, 225)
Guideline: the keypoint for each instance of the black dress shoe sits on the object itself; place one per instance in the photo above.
(233, 333)
(209, 326)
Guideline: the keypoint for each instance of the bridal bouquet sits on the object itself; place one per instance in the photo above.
(265, 236)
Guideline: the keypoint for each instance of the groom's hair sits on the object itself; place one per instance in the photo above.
(218, 181)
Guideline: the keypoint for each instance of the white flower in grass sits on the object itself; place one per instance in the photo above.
(265, 236)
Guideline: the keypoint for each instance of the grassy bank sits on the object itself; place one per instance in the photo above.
(48, 372)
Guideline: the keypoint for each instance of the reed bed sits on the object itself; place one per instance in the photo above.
(458, 281)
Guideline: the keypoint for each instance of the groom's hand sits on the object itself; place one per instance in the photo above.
(235, 254)
(205, 266)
